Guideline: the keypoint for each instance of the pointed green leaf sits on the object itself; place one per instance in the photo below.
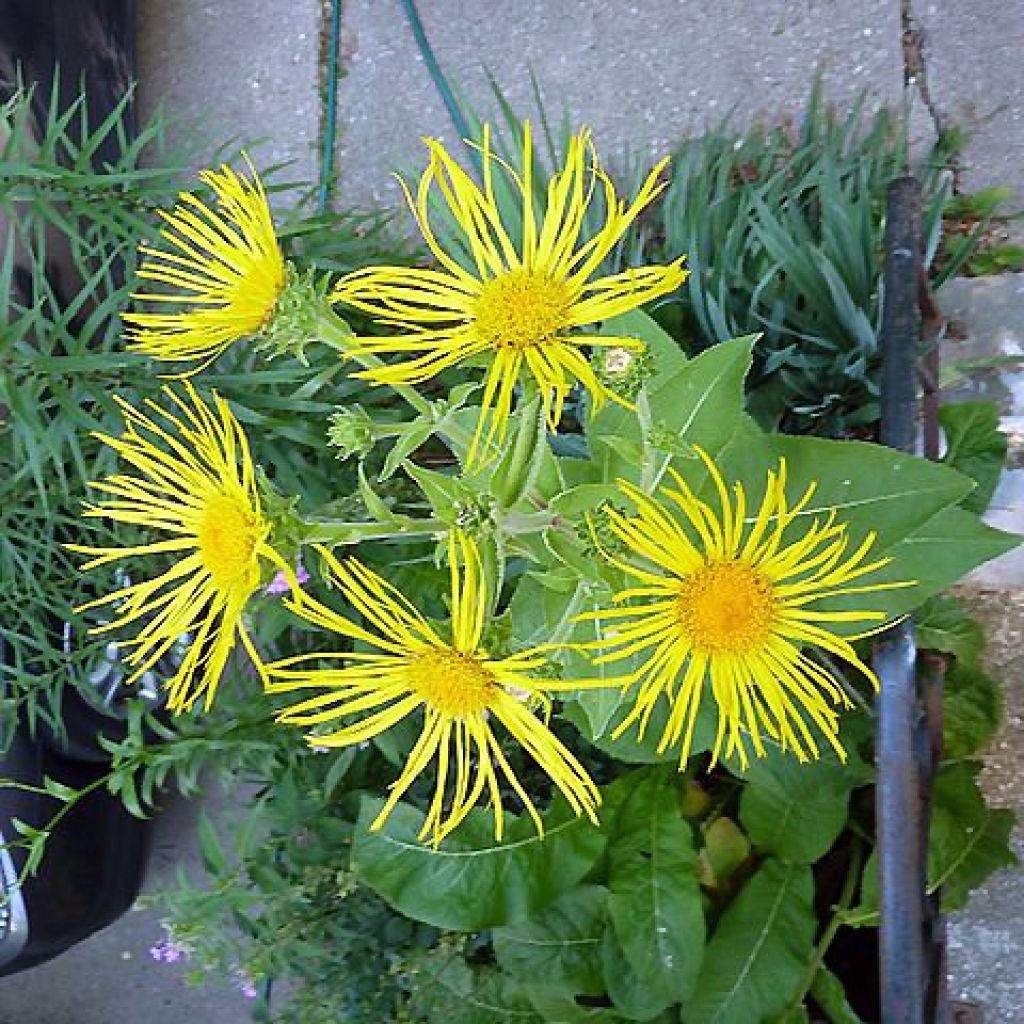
(972, 710)
(942, 623)
(654, 897)
(975, 446)
(632, 998)
(472, 881)
(759, 950)
(792, 810)
(560, 943)
(968, 840)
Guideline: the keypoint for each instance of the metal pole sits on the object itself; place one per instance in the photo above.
(900, 842)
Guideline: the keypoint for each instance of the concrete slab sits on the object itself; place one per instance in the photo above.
(638, 73)
(971, 53)
(988, 324)
(235, 69)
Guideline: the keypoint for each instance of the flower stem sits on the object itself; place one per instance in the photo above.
(853, 872)
(335, 333)
(339, 532)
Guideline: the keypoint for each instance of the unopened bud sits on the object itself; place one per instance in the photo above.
(295, 321)
(350, 431)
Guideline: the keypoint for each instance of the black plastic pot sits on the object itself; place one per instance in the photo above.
(92, 869)
(95, 860)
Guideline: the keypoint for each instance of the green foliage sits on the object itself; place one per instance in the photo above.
(653, 894)
(972, 710)
(759, 950)
(66, 273)
(797, 811)
(559, 946)
(783, 232)
(695, 897)
(975, 446)
(972, 243)
(968, 840)
(474, 881)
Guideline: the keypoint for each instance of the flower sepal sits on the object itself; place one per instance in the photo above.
(297, 317)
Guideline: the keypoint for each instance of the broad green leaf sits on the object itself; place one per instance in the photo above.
(907, 502)
(632, 998)
(541, 613)
(630, 746)
(975, 446)
(600, 703)
(870, 487)
(560, 944)
(796, 811)
(555, 1007)
(472, 881)
(937, 554)
(972, 710)
(968, 840)
(797, 1015)
(701, 403)
(942, 623)
(759, 950)
(653, 894)
(448, 989)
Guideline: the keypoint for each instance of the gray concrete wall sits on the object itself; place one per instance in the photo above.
(641, 72)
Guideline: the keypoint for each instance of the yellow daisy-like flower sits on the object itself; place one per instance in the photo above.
(520, 303)
(459, 688)
(224, 266)
(730, 601)
(194, 483)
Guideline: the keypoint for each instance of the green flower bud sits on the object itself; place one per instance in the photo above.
(351, 431)
(295, 321)
(622, 370)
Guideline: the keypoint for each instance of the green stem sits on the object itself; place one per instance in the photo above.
(853, 872)
(339, 532)
(335, 333)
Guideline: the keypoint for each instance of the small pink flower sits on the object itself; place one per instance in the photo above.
(245, 984)
(168, 951)
(279, 584)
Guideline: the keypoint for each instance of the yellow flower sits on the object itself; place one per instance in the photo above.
(194, 483)
(224, 266)
(461, 690)
(516, 302)
(730, 600)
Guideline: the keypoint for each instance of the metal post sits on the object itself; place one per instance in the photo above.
(901, 855)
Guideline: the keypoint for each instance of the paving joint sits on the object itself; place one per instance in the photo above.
(913, 40)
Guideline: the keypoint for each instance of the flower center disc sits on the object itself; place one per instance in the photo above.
(228, 534)
(726, 608)
(453, 682)
(521, 310)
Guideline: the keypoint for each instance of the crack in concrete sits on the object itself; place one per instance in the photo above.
(915, 74)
